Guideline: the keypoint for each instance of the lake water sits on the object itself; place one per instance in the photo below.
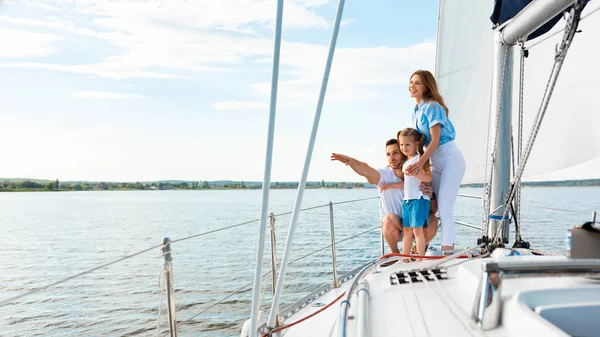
(50, 236)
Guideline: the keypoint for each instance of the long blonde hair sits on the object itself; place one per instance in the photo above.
(418, 138)
(432, 93)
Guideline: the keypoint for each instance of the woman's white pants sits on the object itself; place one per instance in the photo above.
(448, 169)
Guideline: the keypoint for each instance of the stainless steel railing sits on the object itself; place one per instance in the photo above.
(272, 221)
(170, 288)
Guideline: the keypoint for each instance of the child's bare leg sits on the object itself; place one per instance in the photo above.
(420, 239)
(407, 242)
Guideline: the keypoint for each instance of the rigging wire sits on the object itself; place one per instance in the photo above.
(548, 36)
(91, 270)
(524, 53)
(561, 51)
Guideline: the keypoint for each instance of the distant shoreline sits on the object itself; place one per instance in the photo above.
(38, 185)
(174, 189)
(560, 183)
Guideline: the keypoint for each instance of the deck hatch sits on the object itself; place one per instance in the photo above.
(403, 277)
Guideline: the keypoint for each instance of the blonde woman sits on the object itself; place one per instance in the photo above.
(430, 118)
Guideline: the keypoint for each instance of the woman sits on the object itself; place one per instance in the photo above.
(447, 163)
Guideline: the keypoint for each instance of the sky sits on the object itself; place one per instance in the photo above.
(154, 90)
(151, 90)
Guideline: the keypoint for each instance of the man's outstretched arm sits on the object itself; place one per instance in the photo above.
(359, 167)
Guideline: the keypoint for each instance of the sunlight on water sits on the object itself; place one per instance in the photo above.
(49, 236)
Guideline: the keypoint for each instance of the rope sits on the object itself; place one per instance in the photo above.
(441, 259)
(304, 318)
(561, 51)
(454, 256)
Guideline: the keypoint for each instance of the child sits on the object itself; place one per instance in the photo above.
(415, 207)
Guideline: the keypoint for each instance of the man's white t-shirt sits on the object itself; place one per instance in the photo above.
(411, 183)
(390, 199)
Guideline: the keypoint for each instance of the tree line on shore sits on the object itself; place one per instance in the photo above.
(32, 185)
(15, 185)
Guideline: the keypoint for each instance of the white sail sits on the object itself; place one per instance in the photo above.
(568, 135)
(464, 56)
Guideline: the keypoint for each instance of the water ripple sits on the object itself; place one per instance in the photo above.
(62, 234)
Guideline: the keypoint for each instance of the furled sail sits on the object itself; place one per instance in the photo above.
(504, 10)
(569, 134)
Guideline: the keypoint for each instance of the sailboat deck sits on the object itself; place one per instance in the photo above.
(445, 307)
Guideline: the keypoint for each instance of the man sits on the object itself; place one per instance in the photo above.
(390, 209)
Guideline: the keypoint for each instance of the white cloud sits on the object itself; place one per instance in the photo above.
(178, 39)
(53, 24)
(356, 72)
(312, 3)
(18, 44)
(239, 105)
(34, 3)
(178, 35)
(208, 14)
(91, 136)
(114, 71)
(104, 95)
(346, 22)
(47, 7)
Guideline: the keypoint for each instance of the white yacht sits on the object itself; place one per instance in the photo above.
(493, 288)
(500, 286)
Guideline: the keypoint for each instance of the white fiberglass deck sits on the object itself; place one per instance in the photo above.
(531, 306)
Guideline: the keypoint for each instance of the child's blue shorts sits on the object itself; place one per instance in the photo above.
(415, 212)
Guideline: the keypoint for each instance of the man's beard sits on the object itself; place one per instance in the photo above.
(395, 165)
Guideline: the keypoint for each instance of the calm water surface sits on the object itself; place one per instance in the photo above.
(49, 236)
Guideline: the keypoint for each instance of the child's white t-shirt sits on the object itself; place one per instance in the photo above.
(411, 183)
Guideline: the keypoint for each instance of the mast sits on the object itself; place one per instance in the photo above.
(501, 104)
(524, 23)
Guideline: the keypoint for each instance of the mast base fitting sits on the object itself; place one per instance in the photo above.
(521, 244)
